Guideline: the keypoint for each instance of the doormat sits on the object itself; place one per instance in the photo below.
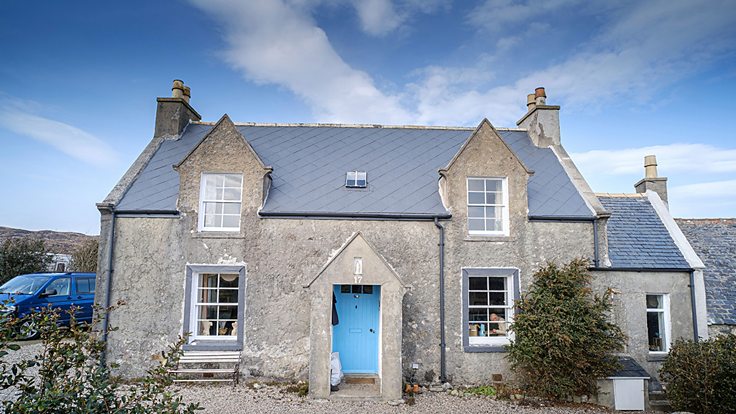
(360, 380)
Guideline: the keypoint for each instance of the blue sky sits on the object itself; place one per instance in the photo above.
(78, 82)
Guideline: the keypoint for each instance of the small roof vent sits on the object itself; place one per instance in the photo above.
(356, 179)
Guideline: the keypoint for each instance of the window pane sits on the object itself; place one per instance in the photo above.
(478, 314)
(654, 302)
(233, 180)
(345, 289)
(368, 290)
(231, 208)
(477, 298)
(205, 328)
(228, 296)
(229, 280)
(476, 225)
(494, 225)
(361, 183)
(231, 221)
(493, 185)
(207, 312)
(352, 176)
(497, 283)
(357, 289)
(475, 212)
(478, 283)
(231, 194)
(219, 193)
(497, 298)
(225, 328)
(361, 176)
(228, 312)
(476, 198)
(655, 329)
(208, 280)
(493, 212)
(494, 198)
(475, 185)
(207, 296)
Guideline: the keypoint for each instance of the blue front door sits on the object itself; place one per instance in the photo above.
(356, 336)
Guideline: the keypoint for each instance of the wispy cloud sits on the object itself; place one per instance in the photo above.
(274, 43)
(705, 199)
(17, 116)
(711, 189)
(637, 50)
(671, 158)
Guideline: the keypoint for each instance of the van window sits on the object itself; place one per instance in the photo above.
(61, 286)
(86, 285)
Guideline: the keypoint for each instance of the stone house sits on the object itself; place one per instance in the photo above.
(714, 240)
(258, 238)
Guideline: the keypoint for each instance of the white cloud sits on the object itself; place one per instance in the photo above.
(271, 42)
(671, 158)
(377, 17)
(706, 199)
(707, 190)
(495, 15)
(66, 138)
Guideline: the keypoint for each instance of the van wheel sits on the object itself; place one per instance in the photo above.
(28, 330)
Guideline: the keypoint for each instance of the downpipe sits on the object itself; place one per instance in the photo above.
(443, 368)
(108, 286)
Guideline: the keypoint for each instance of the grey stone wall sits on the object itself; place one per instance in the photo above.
(630, 309)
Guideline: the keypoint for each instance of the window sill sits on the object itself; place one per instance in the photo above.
(233, 345)
(657, 356)
(488, 238)
(218, 235)
(496, 348)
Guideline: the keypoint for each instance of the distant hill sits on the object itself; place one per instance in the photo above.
(56, 241)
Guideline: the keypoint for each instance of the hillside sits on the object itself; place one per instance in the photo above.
(56, 241)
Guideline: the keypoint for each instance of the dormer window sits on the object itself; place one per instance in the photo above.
(355, 179)
(488, 206)
(220, 200)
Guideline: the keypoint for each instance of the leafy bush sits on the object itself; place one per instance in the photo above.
(563, 340)
(84, 257)
(22, 255)
(701, 376)
(68, 375)
(482, 390)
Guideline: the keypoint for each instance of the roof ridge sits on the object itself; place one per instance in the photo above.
(332, 125)
(628, 195)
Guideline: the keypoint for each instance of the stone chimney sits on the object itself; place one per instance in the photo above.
(541, 120)
(174, 113)
(651, 181)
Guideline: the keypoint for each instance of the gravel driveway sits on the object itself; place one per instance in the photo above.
(225, 399)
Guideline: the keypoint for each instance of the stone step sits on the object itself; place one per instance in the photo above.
(660, 405)
(657, 396)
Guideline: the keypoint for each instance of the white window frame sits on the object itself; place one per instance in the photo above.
(504, 207)
(356, 176)
(194, 321)
(201, 226)
(489, 343)
(665, 310)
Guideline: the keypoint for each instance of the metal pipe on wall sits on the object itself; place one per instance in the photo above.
(443, 368)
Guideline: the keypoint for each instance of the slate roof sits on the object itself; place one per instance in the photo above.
(310, 161)
(714, 240)
(637, 238)
(630, 369)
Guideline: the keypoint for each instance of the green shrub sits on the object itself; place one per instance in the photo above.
(68, 376)
(563, 340)
(701, 376)
(482, 390)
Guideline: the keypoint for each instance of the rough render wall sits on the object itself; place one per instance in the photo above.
(284, 254)
(630, 308)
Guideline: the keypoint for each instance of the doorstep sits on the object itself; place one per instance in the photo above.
(358, 387)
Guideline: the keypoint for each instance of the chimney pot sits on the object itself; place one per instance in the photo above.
(177, 89)
(539, 92)
(650, 166)
(187, 94)
(530, 101)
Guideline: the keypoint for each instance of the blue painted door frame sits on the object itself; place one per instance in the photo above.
(356, 336)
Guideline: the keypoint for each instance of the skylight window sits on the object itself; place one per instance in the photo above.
(355, 179)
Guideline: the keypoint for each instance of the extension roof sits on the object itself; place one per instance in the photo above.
(637, 237)
(714, 240)
(310, 162)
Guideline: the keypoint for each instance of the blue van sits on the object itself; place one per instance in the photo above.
(24, 294)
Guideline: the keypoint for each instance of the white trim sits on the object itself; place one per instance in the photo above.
(194, 321)
(504, 206)
(674, 230)
(201, 216)
(667, 323)
(512, 288)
